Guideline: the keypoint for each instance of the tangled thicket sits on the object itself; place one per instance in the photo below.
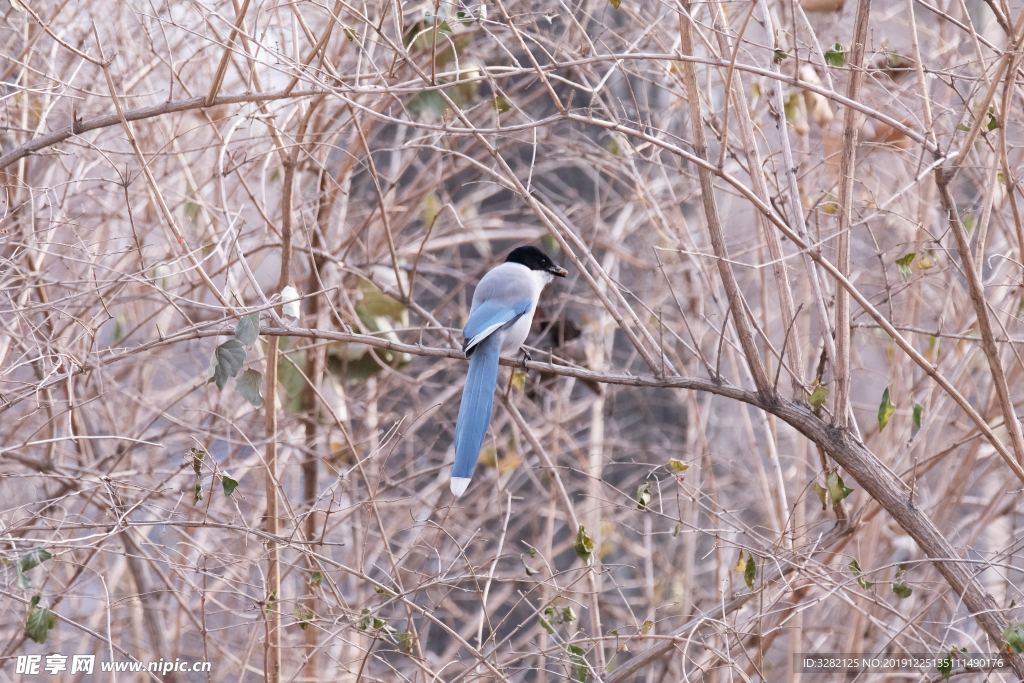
(196, 465)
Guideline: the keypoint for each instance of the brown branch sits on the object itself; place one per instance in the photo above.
(791, 343)
(771, 574)
(529, 53)
(894, 495)
(795, 203)
(707, 187)
(943, 178)
(153, 186)
(847, 165)
(225, 57)
(107, 120)
(383, 206)
(842, 282)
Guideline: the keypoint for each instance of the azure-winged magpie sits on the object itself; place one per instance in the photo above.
(500, 320)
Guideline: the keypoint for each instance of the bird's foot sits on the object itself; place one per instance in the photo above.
(526, 357)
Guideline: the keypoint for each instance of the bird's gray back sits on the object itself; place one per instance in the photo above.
(508, 284)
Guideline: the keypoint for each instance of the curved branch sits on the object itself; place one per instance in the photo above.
(107, 120)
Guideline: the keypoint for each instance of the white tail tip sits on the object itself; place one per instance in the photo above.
(459, 485)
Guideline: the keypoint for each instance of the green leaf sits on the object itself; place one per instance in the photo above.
(584, 545)
(383, 591)
(228, 359)
(918, 410)
(24, 581)
(678, 465)
(34, 558)
(406, 640)
(945, 667)
(968, 221)
(316, 579)
(248, 385)
(675, 532)
(578, 656)
(836, 488)
(902, 590)
(351, 34)
(1014, 635)
(377, 624)
(615, 3)
(778, 56)
(519, 379)
(119, 324)
(646, 627)
(858, 574)
(791, 103)
(247, 331)
(429, 102)
(304, 616)
(643, 496)
(821, 492)
(568, 615)
(993, 123)
(191, 210)
(228, 484)
(903, 263)
(290, 369)
(499, 104)
(836, 55)
(532, 552)
(431, 208)
(39, 622)
(530, 571)
(375, 303)
(963, 127)
(818, 396)
(199, 493)
(899, 584)
(885, 410)
(750, 572)
(893, 60)
(548, 620)
(197, 460)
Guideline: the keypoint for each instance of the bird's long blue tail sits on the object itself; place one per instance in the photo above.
(475, 411)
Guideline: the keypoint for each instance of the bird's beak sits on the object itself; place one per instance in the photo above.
(558, 270)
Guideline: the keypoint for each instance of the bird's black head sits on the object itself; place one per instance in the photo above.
(535, 259)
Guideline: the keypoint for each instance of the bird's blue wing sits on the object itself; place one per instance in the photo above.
(475, 411)
(489, 316)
